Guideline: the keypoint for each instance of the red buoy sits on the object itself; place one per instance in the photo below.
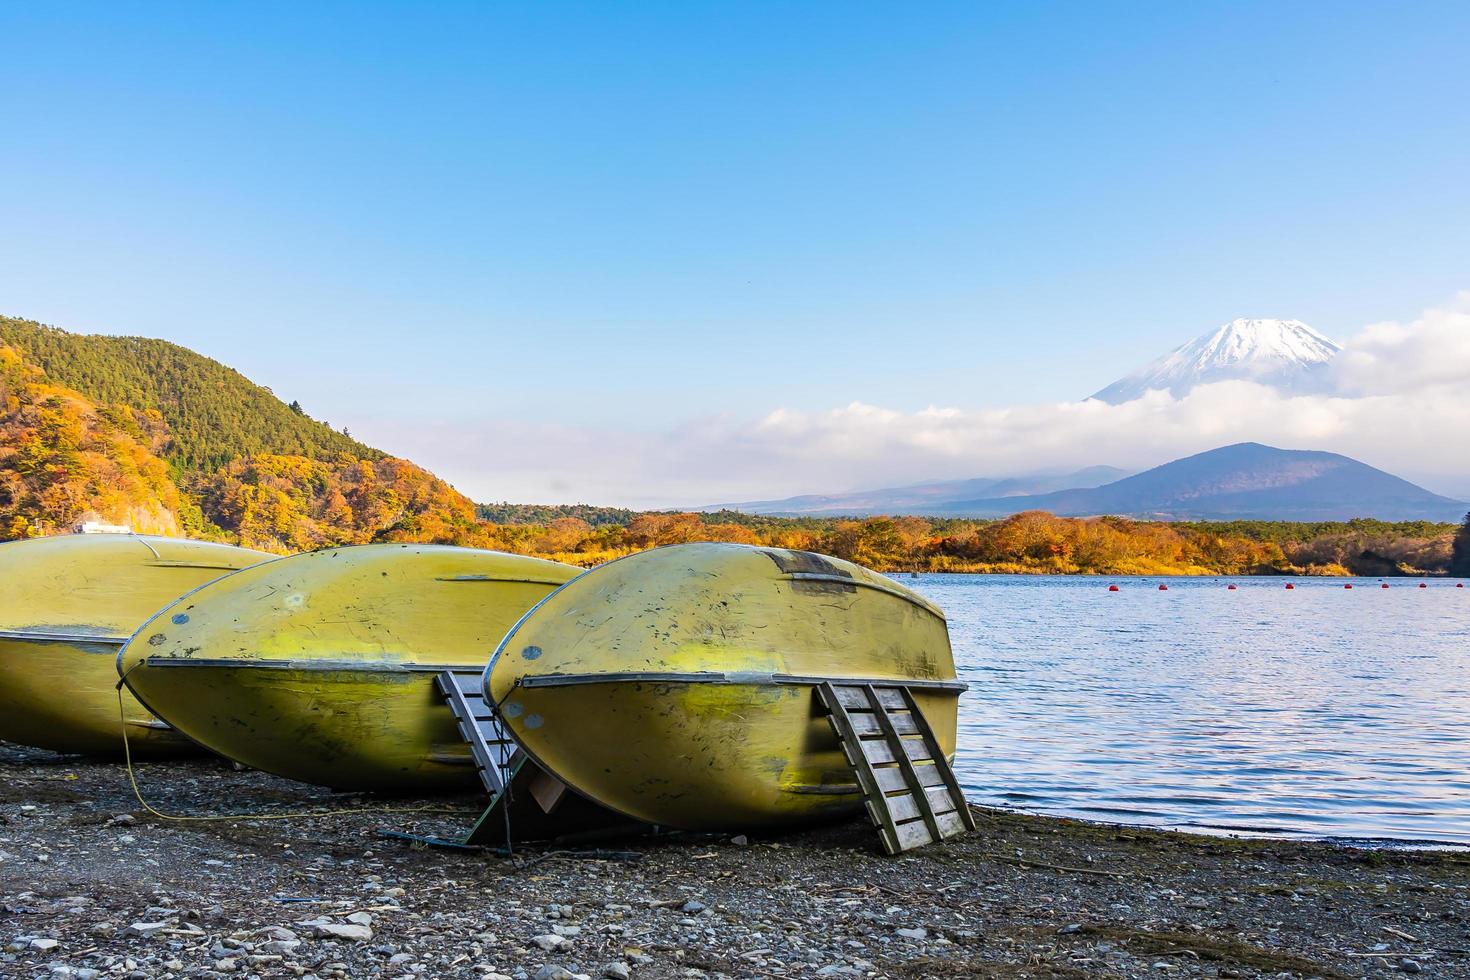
(1163, 588)
(1385, 585)
(1423, 586)
(1290, 586)
(1112, 588)
(1231, 587)
(1348, 586)
(1459, 585)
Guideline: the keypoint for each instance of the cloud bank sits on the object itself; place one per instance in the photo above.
(1399, 399)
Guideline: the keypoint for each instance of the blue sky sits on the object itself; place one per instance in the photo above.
(609, 223)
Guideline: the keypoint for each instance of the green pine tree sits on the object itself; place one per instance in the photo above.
(1460, 553)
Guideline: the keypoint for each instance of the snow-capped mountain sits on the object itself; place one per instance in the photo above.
(1285, 354)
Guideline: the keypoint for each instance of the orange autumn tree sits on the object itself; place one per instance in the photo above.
(64, 459)
(291, 503)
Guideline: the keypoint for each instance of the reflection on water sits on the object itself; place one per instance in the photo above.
(1316, 710)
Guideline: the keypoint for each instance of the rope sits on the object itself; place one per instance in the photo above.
(137, 793)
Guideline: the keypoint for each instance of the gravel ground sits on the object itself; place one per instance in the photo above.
(92, 886)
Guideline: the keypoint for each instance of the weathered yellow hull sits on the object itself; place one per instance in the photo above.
(67, 606)
(321, 667)
(676, 686)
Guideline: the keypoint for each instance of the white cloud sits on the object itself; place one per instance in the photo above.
(1402, 404)
(1390, 358)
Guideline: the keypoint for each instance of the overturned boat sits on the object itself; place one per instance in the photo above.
(322, 667)
(67, 605)
(683, 686)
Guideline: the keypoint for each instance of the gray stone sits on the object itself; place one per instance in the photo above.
(693, 907)
(616, 971)
(146, 930)
(552, 972)
(913, 933)
(1410, 966)
(550, 941)
(44, 944)
(350, 931)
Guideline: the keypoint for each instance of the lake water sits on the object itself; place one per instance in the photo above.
(1314, 711)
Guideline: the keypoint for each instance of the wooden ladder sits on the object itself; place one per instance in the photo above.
(491, 747)
(504, 768)
(909, 789)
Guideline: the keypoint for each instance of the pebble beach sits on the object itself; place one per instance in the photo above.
(92, 886)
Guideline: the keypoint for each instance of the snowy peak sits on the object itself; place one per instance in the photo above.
(1257, 345)
(1286, 354)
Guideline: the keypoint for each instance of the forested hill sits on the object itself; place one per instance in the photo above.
(214, 413)
(506, 513)
(148, 434)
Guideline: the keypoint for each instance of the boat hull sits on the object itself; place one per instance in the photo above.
(70, 603)
(321, 667)
(343, 727)
(62, 695)
(702, 755)
(676, 686)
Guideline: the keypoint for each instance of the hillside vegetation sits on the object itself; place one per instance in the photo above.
(149, 434)
(1033, 542)
(63, 459)
(214, 413)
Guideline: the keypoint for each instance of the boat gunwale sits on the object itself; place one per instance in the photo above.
(38, 635)
(736, 677)
(320, 665)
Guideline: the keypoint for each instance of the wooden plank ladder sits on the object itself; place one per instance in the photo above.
(909, 789)
(491, 748)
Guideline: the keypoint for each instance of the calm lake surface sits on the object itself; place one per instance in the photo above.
(1315, 711)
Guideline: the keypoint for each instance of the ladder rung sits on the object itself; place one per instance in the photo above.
(952, 823)
(914, 833)
(903, 807)
(866, 723)
(878, 751)
(853, 697)
(890, 779)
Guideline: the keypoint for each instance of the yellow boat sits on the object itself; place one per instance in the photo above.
(67, 605)
(320, 667)
(676, 686)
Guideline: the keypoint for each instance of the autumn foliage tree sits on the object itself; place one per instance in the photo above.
(64, 459)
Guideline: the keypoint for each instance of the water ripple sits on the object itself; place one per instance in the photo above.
(1316, 711)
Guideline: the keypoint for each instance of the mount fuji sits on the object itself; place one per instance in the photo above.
(1286, 354)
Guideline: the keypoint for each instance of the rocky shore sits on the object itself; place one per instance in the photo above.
(92, 886)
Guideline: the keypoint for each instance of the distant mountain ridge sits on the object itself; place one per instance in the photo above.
(1285, 354)
(922, 498)
(1243, 481)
